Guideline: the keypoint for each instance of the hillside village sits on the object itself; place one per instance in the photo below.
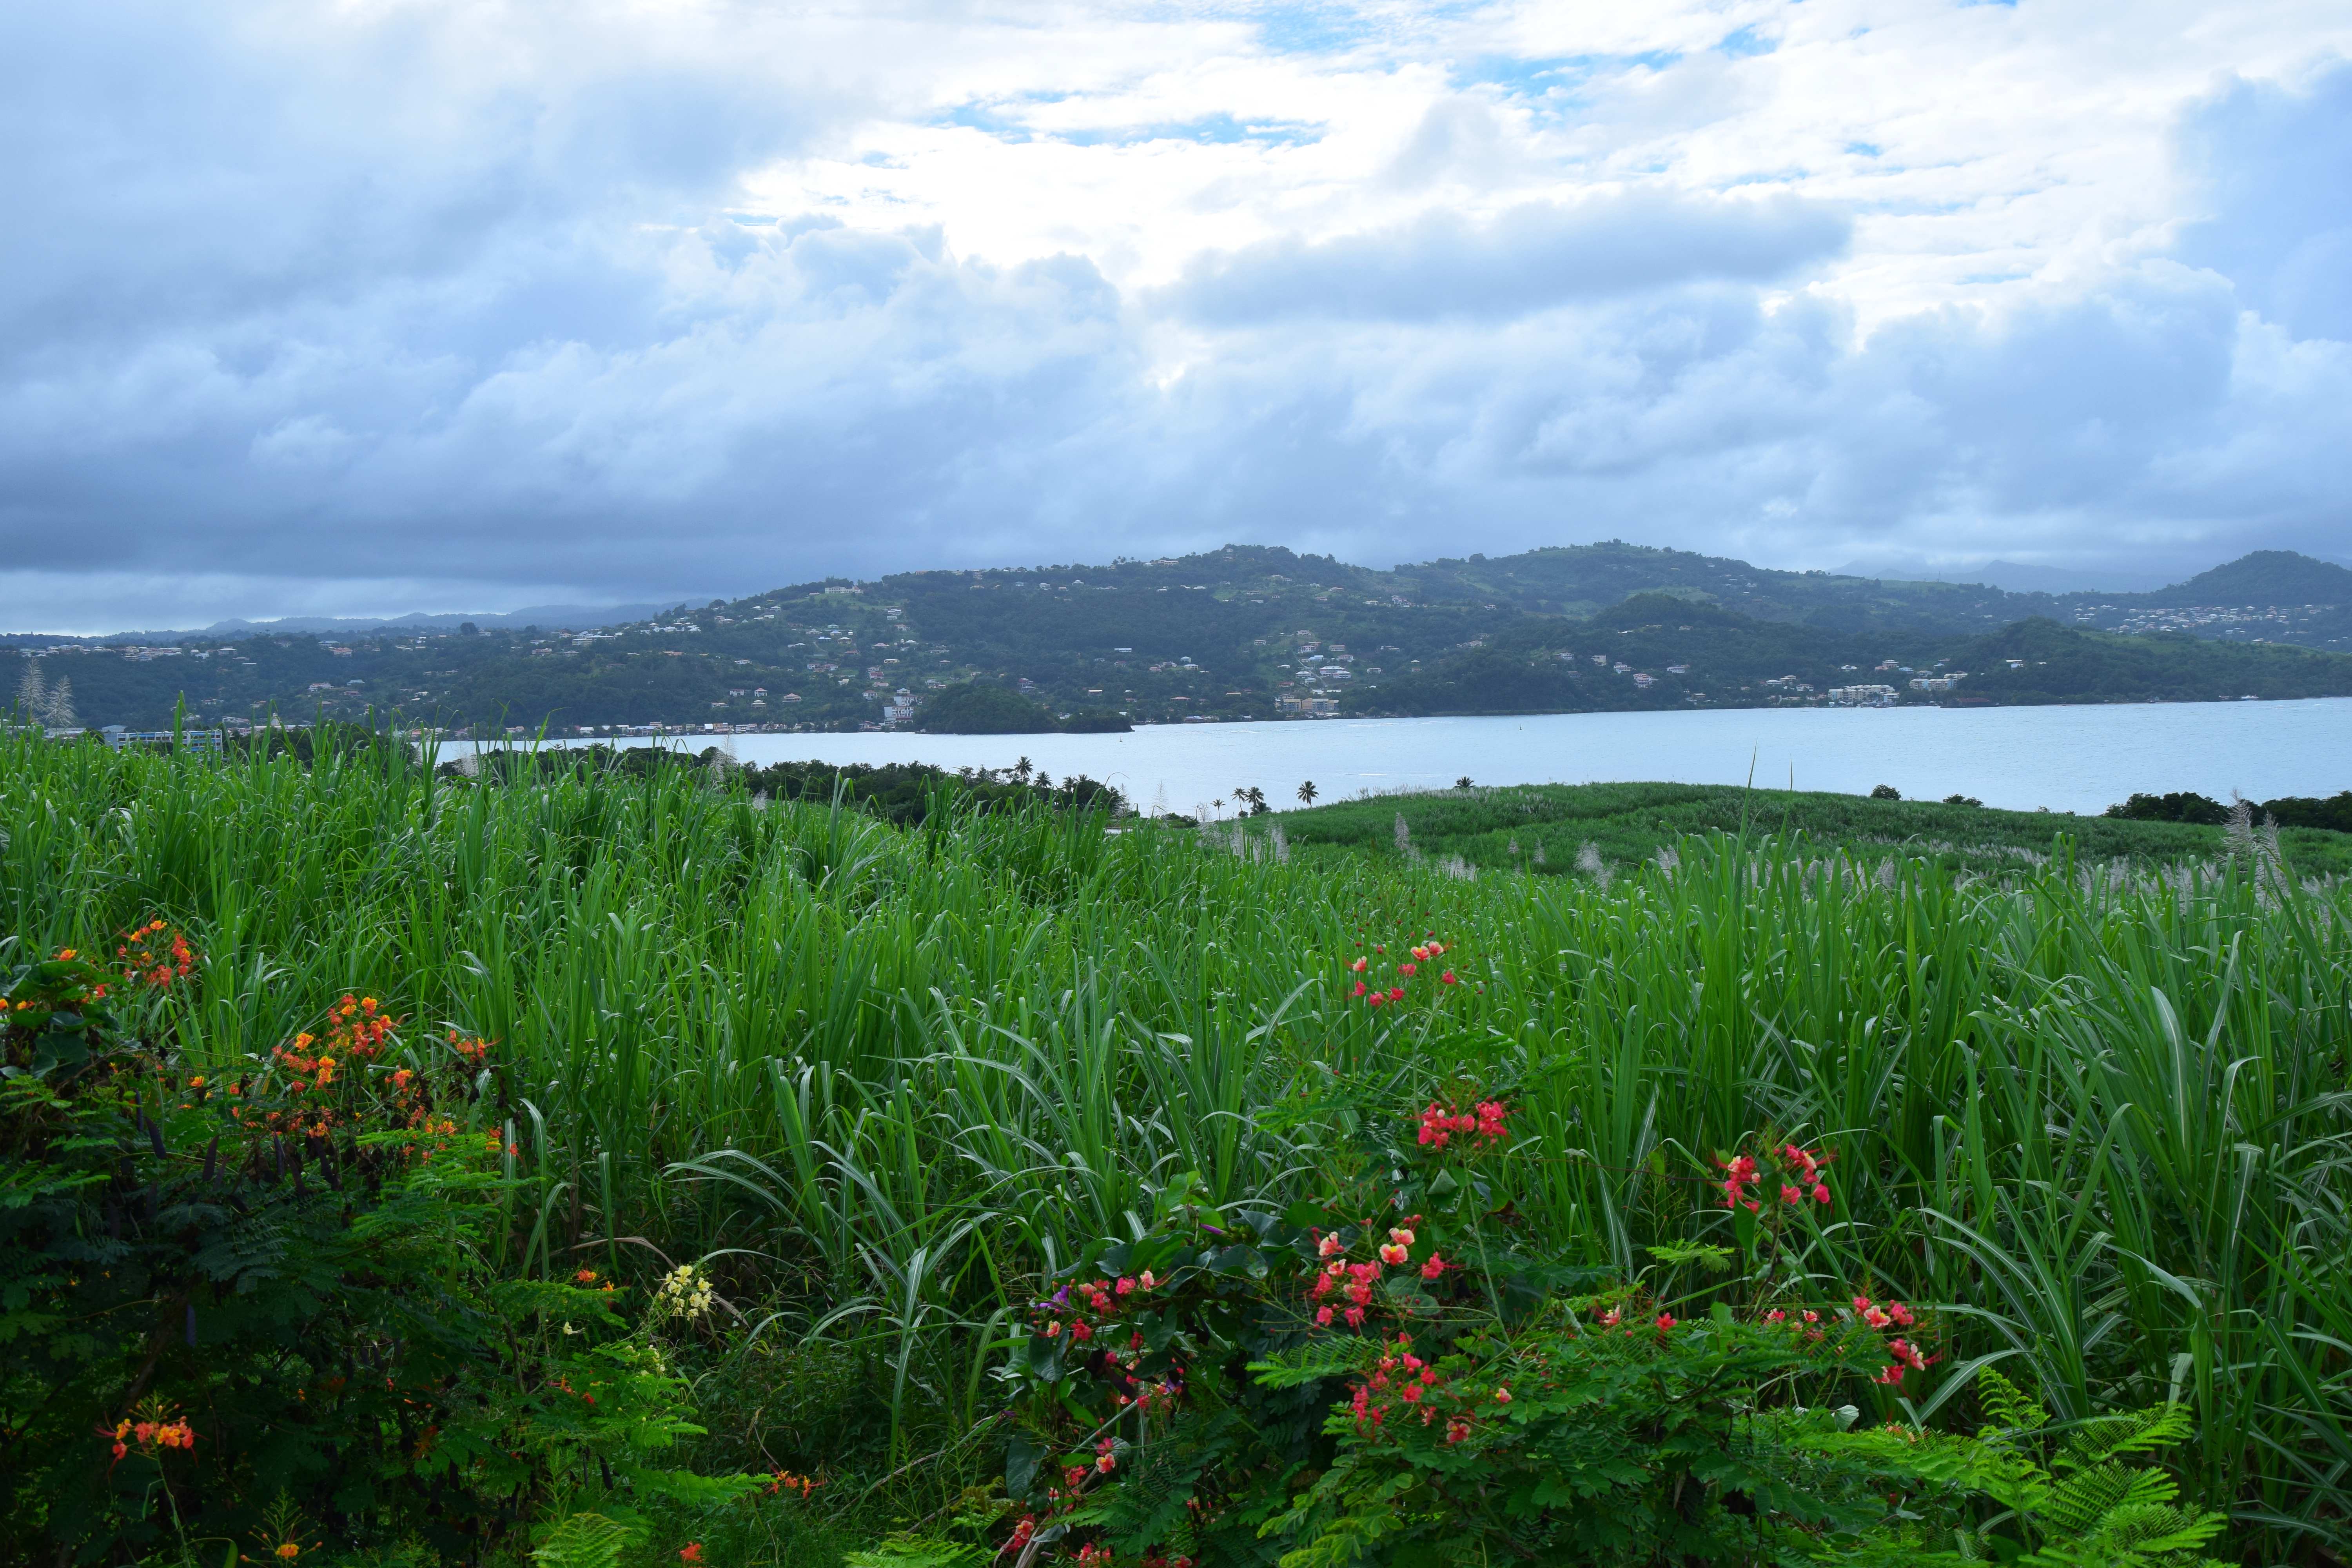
(1239, 634)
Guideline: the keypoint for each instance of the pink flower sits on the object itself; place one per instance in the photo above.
(1789, 1194)
(1447, 979)
(1434, 1267)
(1502, 1396)
(1392, 1254)
(1401, 1236)
(1665, 1321)
(1359, 988)
(1329, 1246)
(1821, 1193)
(1323, 1316)
(1776, 1316)
(1355, 1316)
(1405, 969)
(1397, 993)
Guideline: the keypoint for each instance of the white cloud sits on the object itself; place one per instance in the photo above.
(457, 305)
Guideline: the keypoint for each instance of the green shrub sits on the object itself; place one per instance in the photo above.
(260, 1310)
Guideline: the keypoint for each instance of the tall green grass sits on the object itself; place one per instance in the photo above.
(2105, 1120)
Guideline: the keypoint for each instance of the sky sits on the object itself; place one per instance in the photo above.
(372, 305)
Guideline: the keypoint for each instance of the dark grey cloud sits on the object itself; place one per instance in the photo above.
(1529, 258)
(2276, 167)
(285, 315)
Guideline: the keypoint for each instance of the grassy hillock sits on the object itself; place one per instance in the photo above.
(1545, 830)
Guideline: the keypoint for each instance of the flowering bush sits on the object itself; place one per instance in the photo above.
(1378, 1376)
(221, 1289)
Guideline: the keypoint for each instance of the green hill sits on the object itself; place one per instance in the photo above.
(2267, 578)
(982, 708)
(1246, 632)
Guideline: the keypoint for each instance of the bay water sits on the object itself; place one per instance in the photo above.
(2078, 759)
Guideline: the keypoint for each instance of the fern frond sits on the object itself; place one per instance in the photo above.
(2130, 1432)
(1313, 1363)
(585, 1540)
(2006, 1405)
(916, 1551)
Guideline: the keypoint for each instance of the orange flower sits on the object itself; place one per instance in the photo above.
(690, 1552)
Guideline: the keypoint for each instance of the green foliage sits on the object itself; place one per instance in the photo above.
(916, 1552)
(2067, 1497)
(584, 1540)
(892, 1083)
(983, 707)
(1543, 828)
(276, 1281)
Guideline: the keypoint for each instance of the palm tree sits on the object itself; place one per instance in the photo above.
(1307, 793)
(1021, 770)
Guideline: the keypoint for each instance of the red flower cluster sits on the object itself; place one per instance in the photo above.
(1353, 1282)
(785, 1481)
(1798, 1168)
(358, 1027)
(153, 1432)
(1909, 1358)
(1061, 1315)
(1402, 1381)
(1441, 1125)
(1372, 996)
(154, 954)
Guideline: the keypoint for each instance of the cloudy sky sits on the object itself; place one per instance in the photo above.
(379, 305)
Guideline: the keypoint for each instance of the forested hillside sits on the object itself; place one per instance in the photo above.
(1253, 633)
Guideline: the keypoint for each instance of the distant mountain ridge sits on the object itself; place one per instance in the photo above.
(2010, 576)
(569, 617)
(1257, 631)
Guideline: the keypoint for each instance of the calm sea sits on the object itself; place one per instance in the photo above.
(2068, 759)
